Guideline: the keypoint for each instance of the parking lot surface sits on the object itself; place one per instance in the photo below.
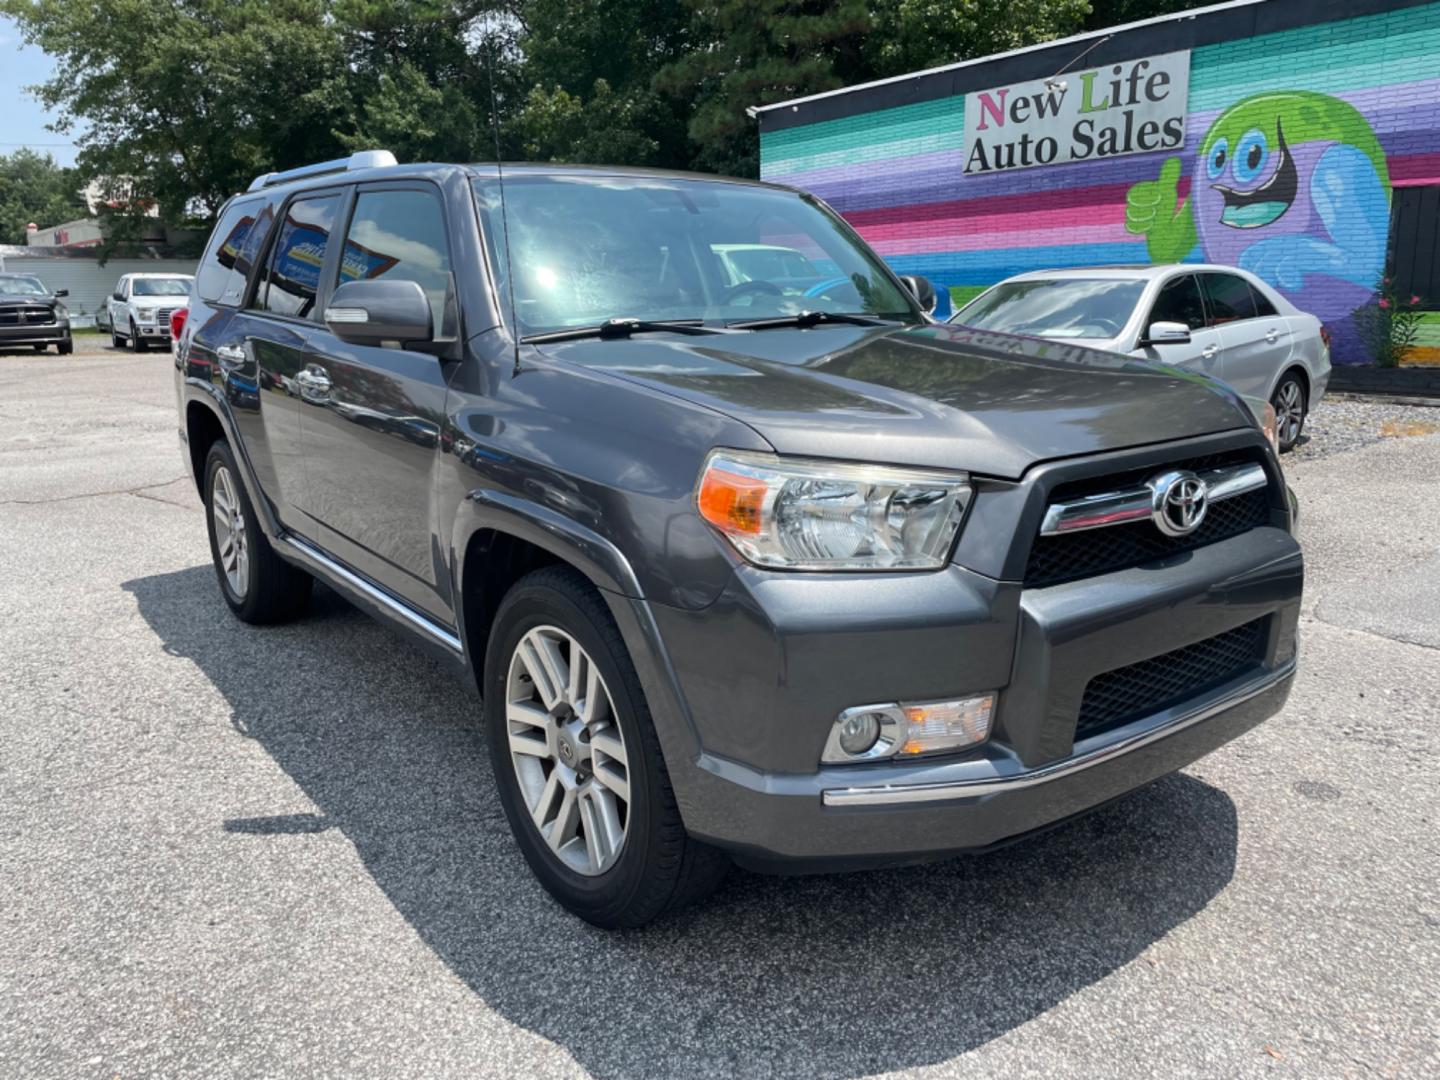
(231, 851)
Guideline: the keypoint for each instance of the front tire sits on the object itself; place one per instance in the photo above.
(136, 345)
(577, 760)
(258, 585)
(66, 347)
(1291, 410)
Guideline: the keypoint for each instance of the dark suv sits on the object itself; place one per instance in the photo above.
(749, 558)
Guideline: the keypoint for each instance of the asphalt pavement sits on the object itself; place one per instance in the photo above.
(230, 851)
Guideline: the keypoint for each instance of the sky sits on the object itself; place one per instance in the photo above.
(24, 118)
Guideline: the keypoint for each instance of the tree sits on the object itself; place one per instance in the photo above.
(753, 52)
(186, 102)
(911, 35)
(34, 188)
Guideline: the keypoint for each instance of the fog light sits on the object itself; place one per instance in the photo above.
(859, 732)
(873, 732)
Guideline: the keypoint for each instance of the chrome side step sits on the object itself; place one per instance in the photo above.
(323, 564)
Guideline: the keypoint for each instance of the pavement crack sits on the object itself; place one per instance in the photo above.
(138, 490)
(1317, 617)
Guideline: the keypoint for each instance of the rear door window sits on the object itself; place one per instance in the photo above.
(1263, 307)
(226, 266)
(292, 276)
(1179, 301)
(1229, 297)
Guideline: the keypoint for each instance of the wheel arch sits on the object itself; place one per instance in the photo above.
(500, 538)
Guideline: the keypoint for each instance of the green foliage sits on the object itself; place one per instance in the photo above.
(183, 103)
(1390, 324)
(34, 188)
(911, 35)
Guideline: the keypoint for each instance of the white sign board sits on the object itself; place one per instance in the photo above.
(1134, 107)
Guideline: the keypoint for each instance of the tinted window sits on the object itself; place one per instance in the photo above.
(1230, 298)
(589, 248)
(1058, 308)
(292, 275)
(226, 265)
(1179, 301)
(400, 236)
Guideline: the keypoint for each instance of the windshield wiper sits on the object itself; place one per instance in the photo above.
(807, 319)
(623, 328)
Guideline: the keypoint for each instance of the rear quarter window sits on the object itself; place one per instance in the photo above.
(231, 253)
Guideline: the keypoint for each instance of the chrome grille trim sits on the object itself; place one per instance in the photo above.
(1134, 504)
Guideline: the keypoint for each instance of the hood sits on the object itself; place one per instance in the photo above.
(937, 396)
(28, 298)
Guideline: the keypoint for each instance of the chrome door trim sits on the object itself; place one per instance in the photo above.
(316, 559)
(897, 794)
(1135, 504)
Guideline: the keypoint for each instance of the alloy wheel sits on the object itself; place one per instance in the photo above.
(230, 538)
(567, 750)
(1289, 412)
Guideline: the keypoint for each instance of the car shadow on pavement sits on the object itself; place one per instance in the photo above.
(827, 976)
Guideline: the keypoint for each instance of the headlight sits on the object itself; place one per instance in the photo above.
(145, 314)
(1270, 425)
(820, 515)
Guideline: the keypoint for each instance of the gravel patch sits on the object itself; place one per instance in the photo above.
(1340, 424)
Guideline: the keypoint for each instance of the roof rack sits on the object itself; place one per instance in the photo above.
(361, 159)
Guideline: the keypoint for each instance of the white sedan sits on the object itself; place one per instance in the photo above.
(1215, 319)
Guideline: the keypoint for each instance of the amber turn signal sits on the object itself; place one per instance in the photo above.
(732, 503)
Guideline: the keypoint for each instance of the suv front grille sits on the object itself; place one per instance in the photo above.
(25, 315)
(1128, 693)
(1069, 556)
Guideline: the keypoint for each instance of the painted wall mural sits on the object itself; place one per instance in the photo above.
(1307, 212)
(1294, 142)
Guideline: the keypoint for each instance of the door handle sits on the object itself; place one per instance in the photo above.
(1209, 351)
(1272, 335)
(231, 355)
(313, 382)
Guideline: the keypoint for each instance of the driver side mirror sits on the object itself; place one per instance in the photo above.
(116, 295)
(62, 292)
(1166, 333)
(372, 312)
(922, 290)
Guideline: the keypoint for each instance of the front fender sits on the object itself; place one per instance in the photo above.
(589, 552)
(610, 571)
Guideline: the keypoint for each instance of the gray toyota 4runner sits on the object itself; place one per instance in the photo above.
(749, 558)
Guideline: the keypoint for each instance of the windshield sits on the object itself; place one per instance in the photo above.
(23, 286)
(1056, 308)
(592, 248)
(162, 286)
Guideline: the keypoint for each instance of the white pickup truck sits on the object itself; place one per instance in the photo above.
(138, 311)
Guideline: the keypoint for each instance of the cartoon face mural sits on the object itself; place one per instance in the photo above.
(1292, 186)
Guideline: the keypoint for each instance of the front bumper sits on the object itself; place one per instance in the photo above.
(34, 335)
(796, 651)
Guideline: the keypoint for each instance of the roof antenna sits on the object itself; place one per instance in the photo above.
(500, 181)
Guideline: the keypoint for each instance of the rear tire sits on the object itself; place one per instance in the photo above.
(258, 585)
(655, 866)
(1291, 410)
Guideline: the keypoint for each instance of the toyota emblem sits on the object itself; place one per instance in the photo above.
(1178, 502)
